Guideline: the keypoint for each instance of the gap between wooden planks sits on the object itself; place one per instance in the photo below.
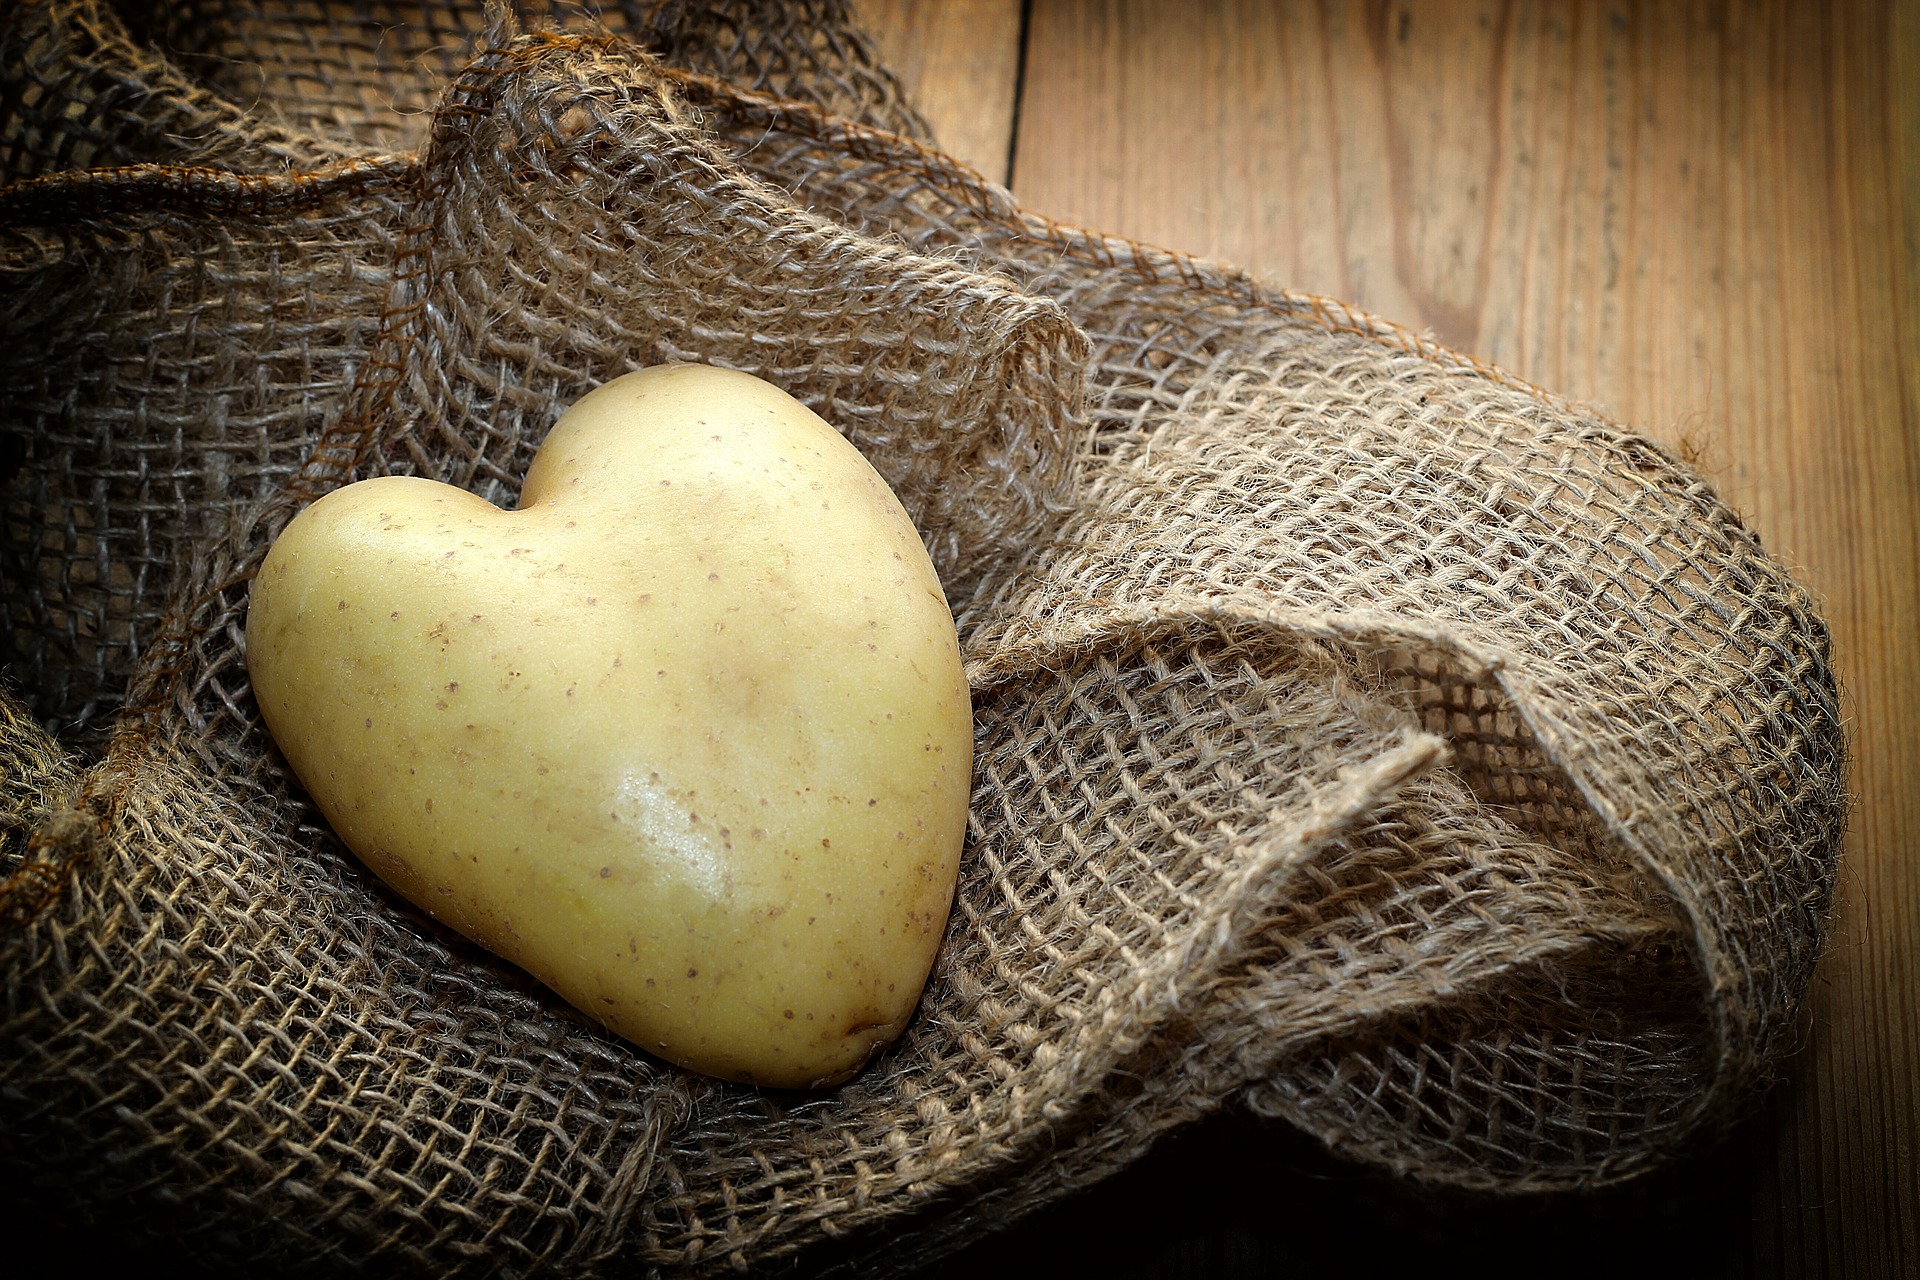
(1701, 218)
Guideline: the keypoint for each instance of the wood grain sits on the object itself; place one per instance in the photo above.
(963, 59)
(1704, 219)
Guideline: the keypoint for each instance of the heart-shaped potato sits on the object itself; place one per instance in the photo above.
(685, 736)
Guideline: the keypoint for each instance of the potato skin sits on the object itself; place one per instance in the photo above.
(686, 735)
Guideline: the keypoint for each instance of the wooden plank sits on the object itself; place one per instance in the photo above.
(960, 62)
(1700, 217)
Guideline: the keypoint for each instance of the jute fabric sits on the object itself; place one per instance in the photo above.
(1364, 738)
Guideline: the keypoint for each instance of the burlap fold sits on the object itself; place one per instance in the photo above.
(1363, 736)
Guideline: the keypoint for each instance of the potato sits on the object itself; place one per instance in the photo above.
(685, 736)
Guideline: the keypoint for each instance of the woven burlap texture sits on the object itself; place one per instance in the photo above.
(1363, 737)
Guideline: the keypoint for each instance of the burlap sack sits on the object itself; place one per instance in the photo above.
(1364, 738)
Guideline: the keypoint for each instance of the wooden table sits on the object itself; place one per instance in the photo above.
(1702, 218)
